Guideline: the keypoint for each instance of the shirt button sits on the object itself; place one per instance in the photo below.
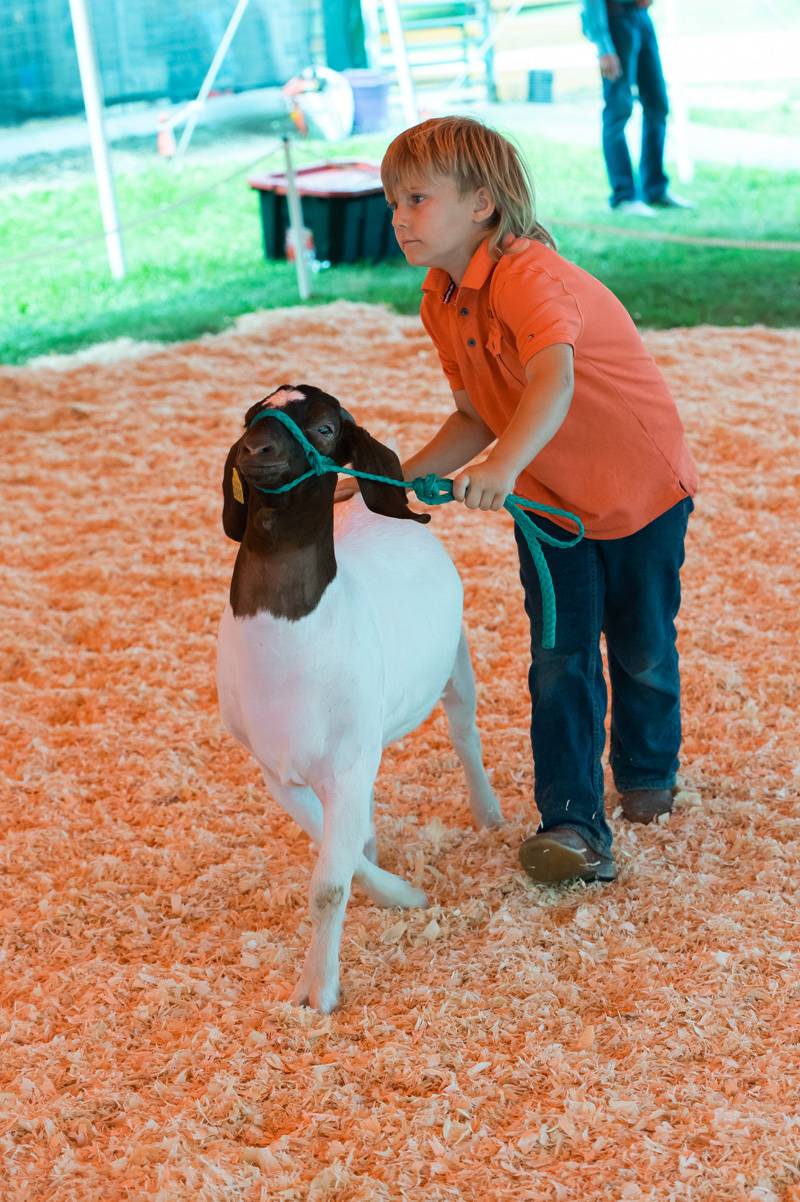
(463, 312)
(471, 342)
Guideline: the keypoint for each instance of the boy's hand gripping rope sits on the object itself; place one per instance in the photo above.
(436, 490)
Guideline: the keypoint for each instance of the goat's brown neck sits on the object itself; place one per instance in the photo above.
(285, 562)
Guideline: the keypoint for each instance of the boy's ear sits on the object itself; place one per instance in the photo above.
(234, 499)
(368, 455)
(485, 206)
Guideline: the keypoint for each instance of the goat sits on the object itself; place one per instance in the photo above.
(332, 647)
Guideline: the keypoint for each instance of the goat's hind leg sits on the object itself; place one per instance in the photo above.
(460, 704)
(300, 803)
(382, 887)
(371, 845)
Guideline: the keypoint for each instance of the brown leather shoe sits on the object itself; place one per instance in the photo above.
(645, 805)
(561, 854)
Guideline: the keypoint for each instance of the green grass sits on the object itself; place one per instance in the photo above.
(197, 268)
(784, 119)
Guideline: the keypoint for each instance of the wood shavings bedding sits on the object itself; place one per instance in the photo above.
(637, 1041)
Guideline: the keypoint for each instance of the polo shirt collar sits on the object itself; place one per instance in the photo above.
(480, 267)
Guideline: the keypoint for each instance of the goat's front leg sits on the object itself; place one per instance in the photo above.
(460, 704)
(302, 804)
(384, 888)
(345, 831)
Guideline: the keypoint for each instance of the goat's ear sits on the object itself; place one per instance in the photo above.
(234, 502)
(368, 455)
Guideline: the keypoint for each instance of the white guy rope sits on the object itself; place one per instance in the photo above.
(58, 250)
(682, 239)
(197, 104)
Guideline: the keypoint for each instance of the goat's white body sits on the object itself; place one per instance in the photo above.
(316, 700)
(371, 661)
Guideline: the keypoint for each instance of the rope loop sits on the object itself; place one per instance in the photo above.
(437, 490)
(432, 489)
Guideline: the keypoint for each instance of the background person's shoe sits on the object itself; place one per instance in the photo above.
(633, 208)
(670, 201)
(645, 805)
(561, 854)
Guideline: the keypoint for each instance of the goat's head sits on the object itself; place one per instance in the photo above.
(267, 455)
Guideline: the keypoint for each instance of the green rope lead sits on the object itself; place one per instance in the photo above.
(436, 490)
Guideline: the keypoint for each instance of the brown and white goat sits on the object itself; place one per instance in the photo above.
(340, 637)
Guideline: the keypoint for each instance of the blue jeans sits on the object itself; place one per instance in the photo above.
(635, 41)
(628, 589)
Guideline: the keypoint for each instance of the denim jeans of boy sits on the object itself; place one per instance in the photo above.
(635, 41)
(628, 589)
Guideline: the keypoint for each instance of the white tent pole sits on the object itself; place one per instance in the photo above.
(296, 224)
(93, 103)
(398, 42)
(211, 75)
(372, 32)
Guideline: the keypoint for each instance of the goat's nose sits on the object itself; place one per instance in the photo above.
(258, 446)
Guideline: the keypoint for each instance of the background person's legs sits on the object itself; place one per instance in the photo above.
(618, 96)
(655, 108)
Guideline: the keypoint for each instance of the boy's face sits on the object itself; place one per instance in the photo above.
(437, 227)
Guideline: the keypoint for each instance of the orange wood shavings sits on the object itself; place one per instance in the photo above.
(634, 1041)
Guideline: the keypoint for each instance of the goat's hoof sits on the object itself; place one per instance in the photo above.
(489, 816)
(300, 994)
(417, 899)
(325, 999)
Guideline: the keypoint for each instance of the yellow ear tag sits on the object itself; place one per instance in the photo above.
(238, 491)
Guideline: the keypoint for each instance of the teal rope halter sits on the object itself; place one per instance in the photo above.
(436, 490)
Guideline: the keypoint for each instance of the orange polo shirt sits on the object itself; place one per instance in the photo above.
(620, 458)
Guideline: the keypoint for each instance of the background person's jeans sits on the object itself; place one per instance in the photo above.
(634, 37)
(628, 588)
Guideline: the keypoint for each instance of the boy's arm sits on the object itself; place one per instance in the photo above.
(461, 437)
(544, 404)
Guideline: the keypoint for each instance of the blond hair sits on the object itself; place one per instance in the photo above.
(475, 157)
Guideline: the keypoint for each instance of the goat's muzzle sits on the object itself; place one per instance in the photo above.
(263, 461)
(267, 475)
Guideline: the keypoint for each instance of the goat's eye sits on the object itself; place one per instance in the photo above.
(324, 429)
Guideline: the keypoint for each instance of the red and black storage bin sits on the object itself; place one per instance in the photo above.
(343, 206)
